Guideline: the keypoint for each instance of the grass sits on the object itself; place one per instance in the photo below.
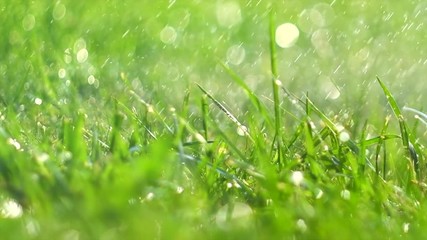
(103, 147)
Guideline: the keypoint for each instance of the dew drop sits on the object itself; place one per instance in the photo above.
(344, 136)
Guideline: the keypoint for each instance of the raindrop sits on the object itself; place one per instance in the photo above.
(228, 14)
(82, 55)
(200, 138)
(11, 209)
(301, 225)
(29, 22)
(91, 80)
(179, 189)
(42, 157)
(14, 143)
(317, 18)
(297, 178)
(331, 91)
(32, 227)
(320, 41)
(405, 227)
(67, 56)
(324, 15)
(344, 136)
(168, 35)
(150, 196)
(62, 73)
(182, 19)
(319, 194)
(242, 130)
(79, 44)
(345, 194)
(38, 101)
(59, 11)
(236, 54)
(287, 35)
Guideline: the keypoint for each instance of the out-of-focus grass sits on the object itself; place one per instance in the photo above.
(105, 135)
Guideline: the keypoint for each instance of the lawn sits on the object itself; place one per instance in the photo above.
(212, 119)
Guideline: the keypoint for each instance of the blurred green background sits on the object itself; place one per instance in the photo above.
(162, 47)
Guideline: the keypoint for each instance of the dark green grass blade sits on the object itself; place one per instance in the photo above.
(362, 154)
(402, 125)
(380, 143)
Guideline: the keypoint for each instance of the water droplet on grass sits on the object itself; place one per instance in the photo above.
(319, 193)
(297, 178)
(82, 55)
(11, 209)
(14, 143)
(179, 189)
(287, 35)
(344, 136)
(168, 35)
(59, 11)
(242, 130)
(91, 80)
(345, 194)
(42, 157)
(405, 227)
(38, 101)
(236, 54)
(62, 73)
(228, 14)
(28, 22)
(149, 197)
(301, 225)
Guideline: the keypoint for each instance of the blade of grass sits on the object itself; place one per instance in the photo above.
(228, 113)
(378, 148)
(362, 154)
(403, 128)
(275, 80)
(205, 115)
(252, 96)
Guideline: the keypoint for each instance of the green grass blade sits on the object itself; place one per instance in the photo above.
(396, 110)
(252, 96)
(402, 125)
(380, 143)
(228, 113)
(274, 70)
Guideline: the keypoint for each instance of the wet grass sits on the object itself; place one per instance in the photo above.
(93, 149)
